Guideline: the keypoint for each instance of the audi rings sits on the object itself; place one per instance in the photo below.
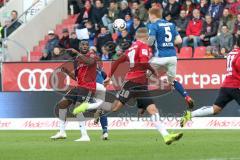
(48, 80)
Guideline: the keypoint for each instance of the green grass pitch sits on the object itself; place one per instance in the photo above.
(123, 145)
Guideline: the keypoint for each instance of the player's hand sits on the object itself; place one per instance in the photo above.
(73, 50)
(106, 82)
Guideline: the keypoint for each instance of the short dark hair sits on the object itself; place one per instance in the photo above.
(136, 17)
(224, 25)
(136, 1)
(14, 11)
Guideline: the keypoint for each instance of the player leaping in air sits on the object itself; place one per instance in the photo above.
(163, 35)
(229, 91)
(138, 56)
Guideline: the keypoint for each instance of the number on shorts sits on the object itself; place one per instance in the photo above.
(124, 93)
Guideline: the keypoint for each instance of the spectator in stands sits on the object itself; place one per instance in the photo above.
(129, 21)
(203, 7)
(105, 55)
(65, 40)
(60, 54)
(181, 23)
(109, 49)
(234, 6)
(237, 27)
(91, 32)
(98, 12)
(193, 30)
(123, 37)
(85, 14)
(168, 17)
(109, 18)
(124, 9)
(139, 11)
(155, 4)
(73, 7)
(103, 37)
(224, 41)
(209, 30)
(188, 6)
(137, 23)
(216, 9)
(74, 41)
(226, 19)
(173, 8)
(120, 49)
(53, 41)
(14, 24)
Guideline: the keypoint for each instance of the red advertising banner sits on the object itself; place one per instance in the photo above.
(193, 74)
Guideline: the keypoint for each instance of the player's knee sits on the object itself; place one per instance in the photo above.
(63, 104)
(217, 109)
(152, 109)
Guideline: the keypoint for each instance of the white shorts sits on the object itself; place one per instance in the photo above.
(100, 92)
(168, 63)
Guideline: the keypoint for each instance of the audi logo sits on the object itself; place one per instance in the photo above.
(42, 81)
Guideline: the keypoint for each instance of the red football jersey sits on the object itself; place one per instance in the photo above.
(233, 70)
(86, 75)
(138, 56)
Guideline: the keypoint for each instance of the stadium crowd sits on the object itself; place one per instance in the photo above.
(214, 24)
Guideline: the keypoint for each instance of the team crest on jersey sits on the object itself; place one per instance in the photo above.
(145, 52)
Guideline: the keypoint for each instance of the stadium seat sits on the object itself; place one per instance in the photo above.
(200, 52)
(35, 58)
(24, 59)
(185, 52)
(36, 53)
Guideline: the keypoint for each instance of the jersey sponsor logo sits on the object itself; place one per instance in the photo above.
(164, 24)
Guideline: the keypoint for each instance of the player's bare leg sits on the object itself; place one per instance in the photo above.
(62, 109)
(155, 118)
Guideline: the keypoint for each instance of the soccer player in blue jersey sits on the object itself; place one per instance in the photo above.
(164, 36)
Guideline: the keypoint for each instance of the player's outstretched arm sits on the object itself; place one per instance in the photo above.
(84, 59)
(237, 66)
(115, 65)
(70, 74)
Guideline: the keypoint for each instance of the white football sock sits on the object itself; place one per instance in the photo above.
(204, 111)
(155, 118)
(62, 118)
(97, 104)
(82, 125)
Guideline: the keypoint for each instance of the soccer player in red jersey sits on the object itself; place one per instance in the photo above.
(138, 56)
(229, 91)
(85, 68)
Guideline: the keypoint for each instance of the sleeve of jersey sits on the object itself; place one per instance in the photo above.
(151, 30)
(116, 64)
(237, 65)
(175, 31)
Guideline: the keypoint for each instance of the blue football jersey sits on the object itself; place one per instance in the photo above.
(165, 33)
(101, 76)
